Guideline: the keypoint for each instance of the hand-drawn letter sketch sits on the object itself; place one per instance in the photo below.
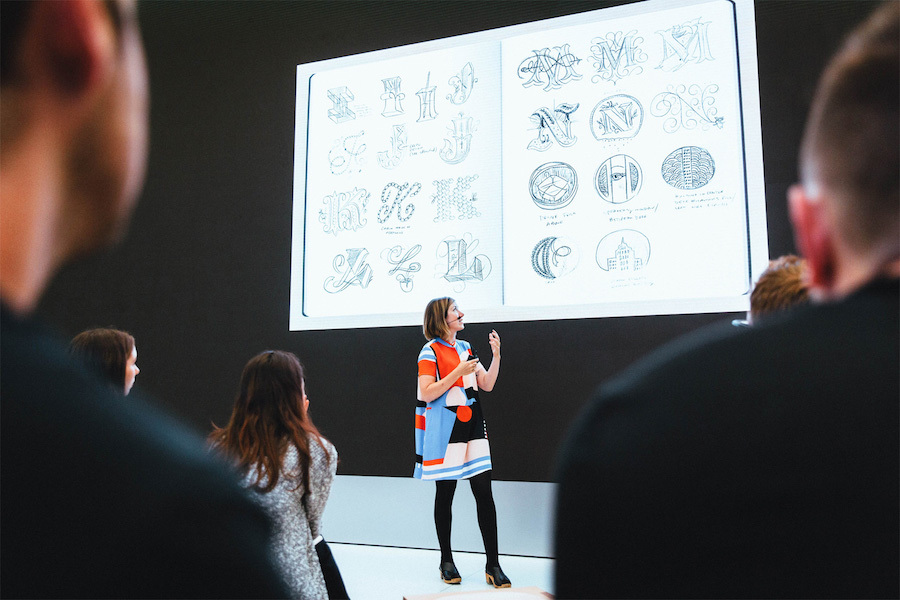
(553, 185)
(618, 179)
(392, 97)
(426, 101)
(617, 117)
(404, 266)
(554, 257)
(343, 211)
(617, 55)
(624, 250)
(459, 268)
(392, 158)
(444, 198)
(346, 154)
(558, 122)
(456, 147)
(687, 107)
(685, 43)
(462, 84)
(392, 196)
(340, 111)
(549, 67)
(688, 168)
(353, 270)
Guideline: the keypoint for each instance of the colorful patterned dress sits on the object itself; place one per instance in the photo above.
(451, 436)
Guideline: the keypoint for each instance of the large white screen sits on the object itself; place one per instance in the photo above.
(603, 164)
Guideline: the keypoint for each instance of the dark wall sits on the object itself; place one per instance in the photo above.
(203, 278)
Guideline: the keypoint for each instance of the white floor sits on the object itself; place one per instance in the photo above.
(384, 573)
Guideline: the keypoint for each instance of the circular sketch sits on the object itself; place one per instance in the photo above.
(618, 179)
(625, 250)
(617, 117)
(688, 168)
(553, 185)
(553, 257)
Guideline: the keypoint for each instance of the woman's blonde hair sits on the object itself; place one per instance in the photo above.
(435, 325)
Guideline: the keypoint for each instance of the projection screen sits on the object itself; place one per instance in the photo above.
(607, 163)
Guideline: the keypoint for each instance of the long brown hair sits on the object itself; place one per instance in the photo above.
(269, 414)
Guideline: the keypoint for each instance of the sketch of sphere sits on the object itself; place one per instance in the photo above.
(618, 179)
(554, 257)
(688, 168)
(553, 185)
(625, 250)
(617, 117)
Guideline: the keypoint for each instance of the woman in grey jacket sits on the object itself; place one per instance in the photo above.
(284, 460)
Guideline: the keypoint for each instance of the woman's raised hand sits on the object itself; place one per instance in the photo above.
(494, 341)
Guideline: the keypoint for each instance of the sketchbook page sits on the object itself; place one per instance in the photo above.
(402, 198)
(624, 176)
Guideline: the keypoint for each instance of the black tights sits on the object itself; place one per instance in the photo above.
(487, 515)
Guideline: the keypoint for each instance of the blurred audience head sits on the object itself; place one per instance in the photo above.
(781, 286)
(110, 352)
(846, 210)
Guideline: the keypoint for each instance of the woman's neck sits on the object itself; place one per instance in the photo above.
(450, 339)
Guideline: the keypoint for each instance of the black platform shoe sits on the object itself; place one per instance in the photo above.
(449, 573)
(496, 577)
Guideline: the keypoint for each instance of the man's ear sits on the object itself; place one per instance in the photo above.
(814, 237)
(71, 45)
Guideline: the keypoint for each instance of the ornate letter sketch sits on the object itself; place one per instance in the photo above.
(346, 154)
(685, 43)
(554, 257)
(392, 196)
(616, 56)
(352, 269)
(462, 84)
(558, 122)
(444, 198)
(618, 179)
(624, 250)
(340, 111)
(404, 266)
(460, 267)
(343, 211)
(617, 117)
(549, 67)
(426, 101)
(456, 147)
(688, 168)
(392, 158)
(553, 185)
(687, 107)
(392, 97)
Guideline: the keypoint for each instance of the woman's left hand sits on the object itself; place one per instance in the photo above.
(494, 341)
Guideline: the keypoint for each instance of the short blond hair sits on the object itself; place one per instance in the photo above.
(782, 285)
(435, 325)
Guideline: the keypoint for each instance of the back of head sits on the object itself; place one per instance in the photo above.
(850, 148)
(269, 414)
(781, 286)
(106, 351)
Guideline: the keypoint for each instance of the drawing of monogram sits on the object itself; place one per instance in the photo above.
(353, 270)
(550, 68)
(343, 211)
(392, 196)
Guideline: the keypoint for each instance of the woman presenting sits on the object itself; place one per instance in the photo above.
(451, 436)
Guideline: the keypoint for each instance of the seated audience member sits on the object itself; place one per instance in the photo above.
(96, 503)
(764, 463)
(110, 352)
(285, 461)
(781, 286)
